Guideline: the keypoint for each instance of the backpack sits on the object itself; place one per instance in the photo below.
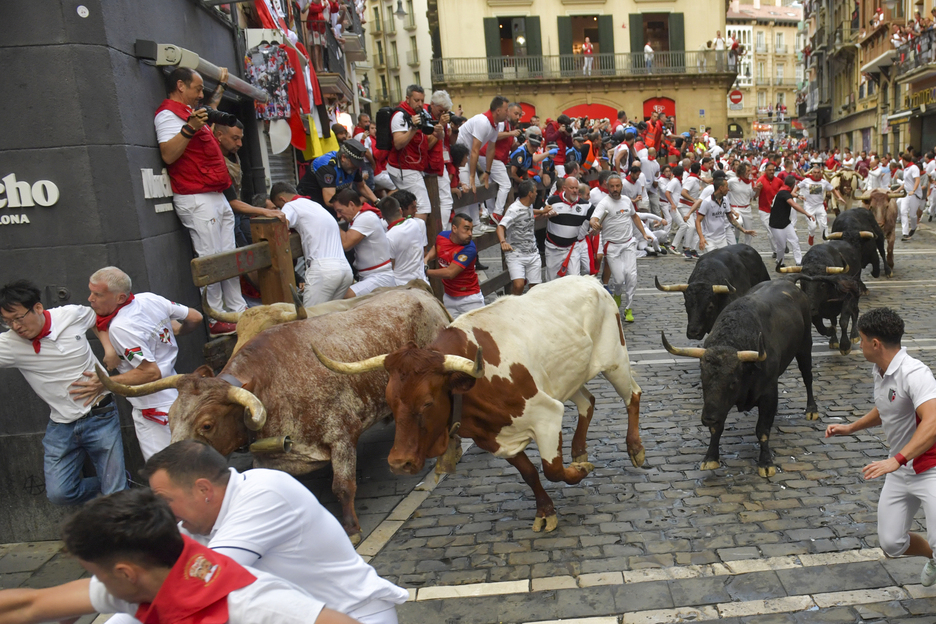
(384, 137)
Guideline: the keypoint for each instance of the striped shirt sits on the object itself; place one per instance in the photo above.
(570, 223)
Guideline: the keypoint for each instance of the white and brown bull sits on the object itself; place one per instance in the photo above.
(286, 391)
(846, 182)
(500, 375)
(883, 204)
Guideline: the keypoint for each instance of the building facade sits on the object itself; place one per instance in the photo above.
(768, 71)
(399, 50)
(532, 53)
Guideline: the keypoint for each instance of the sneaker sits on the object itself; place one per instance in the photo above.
(694, 253)
(688, 254)
(652, 254)
(663, 250)
(479, 266)
(673, 249)
(810, 241)
(774, 255)
(928, 573)
(779, 266)
(904, 239)
(629, 317)
(930, 220)
(220, 328)
(617, 300)
(913, 231)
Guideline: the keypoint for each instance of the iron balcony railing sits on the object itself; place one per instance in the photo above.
(409, 23)
(780, 49)
(762, 81)
(917, 52)
(761, 48)
(572, 65)
(412, 58)
(392, 61)
(334, 57)
(389, 25)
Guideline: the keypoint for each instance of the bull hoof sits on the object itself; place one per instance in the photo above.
(637, 458)
(580, 459)
(833, 345)
(812, 415)
(585, 467)
(549, 523)
(769, 471)
(355, 538)
(710, 465)
(846, 350)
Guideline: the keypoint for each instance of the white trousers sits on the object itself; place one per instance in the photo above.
(459, 305)
(655, 204)
(445, 198)
(908, 213)
(821, 223)
(210, 222)
(526, 266)
(686, 234)
(786, 237)
(901, 497)
(747, 219)
(587, 70)
(152, 431)
(712, 243)
(765, 220)
(931, 209)
(475, 211)
(412, 181)
(369, 280)
(383, 181)
(622, 260)
(499, 175)
(327, 279)
(578, 260)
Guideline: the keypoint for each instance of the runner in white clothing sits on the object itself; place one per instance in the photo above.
(930, 172)
(367, 235)
(713, 218)
(143, 330)
(406, 236)
(328, 274)
(144, 567)
(813, 190)
(616, 217)
(518, 241)
(913, 202)
(741, 197)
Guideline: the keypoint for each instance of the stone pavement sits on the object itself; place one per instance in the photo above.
(663, 543)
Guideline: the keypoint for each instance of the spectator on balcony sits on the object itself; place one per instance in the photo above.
(702, 60)
(409, 155)
(720, 45)
(316, 23)
(588, 51)
(648, 57)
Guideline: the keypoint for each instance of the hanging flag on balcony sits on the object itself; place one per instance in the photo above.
(273, 17)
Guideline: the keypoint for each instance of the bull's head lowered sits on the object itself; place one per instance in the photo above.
(421, 390)
(704, 302)
(207, 409)
(725, 378)
(878, 201)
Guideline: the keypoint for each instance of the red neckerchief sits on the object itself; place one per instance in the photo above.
(694, 175)
(628, 178)
(103, 322)
(563, 198)
(197, 588)
(815, 178)
(406, 107)
(46, 330)
(397, 222)
(490, 118)
(367, 208)
(745, 180)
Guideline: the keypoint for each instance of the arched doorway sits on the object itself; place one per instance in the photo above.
(659, 105)
(592, 111)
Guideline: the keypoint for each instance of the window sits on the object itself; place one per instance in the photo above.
(781, 98)
(585, 26)
(780, 40)
(380, 56)
(377, 17)
(399, 89)
(656, 31)
(416, 79)
(412, 44)
(779, 74)
(383, 86)
(760, 70)
(761, 99)
(394, 58)
(513, 41)
(760, 40)
(409, 10)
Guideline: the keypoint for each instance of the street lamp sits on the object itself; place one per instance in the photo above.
(401, 12)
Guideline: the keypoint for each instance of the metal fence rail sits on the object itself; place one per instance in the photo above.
(917, 52)
(571, 65)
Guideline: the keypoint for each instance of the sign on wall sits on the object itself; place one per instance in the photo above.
(157, 186)
(20, 194)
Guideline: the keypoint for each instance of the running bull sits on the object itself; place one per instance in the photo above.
(883, 205)
(863, 221)
(751, 344)
(271, 388)
(719, 277)
(500, 375)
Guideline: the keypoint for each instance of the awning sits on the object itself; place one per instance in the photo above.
(884, 60)
(900, 115)
(354, 47)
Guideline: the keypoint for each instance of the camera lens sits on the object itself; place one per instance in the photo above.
(220, 117)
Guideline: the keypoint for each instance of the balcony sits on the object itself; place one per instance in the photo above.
(410, 22)
(762, 81)
(760, 48)
(376, 29)
(412, 58)
(393, 63)
(780, 49)
(784, 82)
(506, 68)
(915, 55)
(379, 60)
(389, 25)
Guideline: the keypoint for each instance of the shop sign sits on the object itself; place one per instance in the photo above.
(920, 98)
(19, 194)
(157, 186)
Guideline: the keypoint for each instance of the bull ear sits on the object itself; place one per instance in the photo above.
(460, 383)
(204, 371)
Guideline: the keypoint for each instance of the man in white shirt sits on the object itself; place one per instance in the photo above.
(406, 236)
(616, 218)
(877, 173)
(741, 197)
(930, 171)
(905, 404)
(518, 240)
(650, 168)
(913, 202)
(367, 235)
(713, 218)
(477, 131)
(328, 274)
(51, 350)
(143, 330)
(813, 190)
(144, 567)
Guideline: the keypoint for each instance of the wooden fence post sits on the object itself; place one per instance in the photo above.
(274, 280)
(434, 226)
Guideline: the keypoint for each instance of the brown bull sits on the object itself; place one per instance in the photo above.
(287, 392)
(845, 181)
(500, 376)
(883, 204)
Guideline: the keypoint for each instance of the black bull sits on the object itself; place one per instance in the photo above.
(858, 220)
(751, 344)
(719, 277)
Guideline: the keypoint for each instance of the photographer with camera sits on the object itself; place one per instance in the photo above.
(440, 151)
(413, 137)
(560, 133)
(199, 176)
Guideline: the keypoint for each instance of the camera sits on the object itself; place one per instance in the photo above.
(426, 124)
(456, 121)
(220, 117)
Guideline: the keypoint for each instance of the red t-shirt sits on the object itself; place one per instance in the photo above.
(465, 283)
(768, 192)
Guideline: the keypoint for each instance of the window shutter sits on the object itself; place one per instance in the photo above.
(533, 37)
(491, 37)
(636, 33)
(564, 26)
(677, 37)
(606, 34)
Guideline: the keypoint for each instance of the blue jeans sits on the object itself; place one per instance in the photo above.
(67, 446)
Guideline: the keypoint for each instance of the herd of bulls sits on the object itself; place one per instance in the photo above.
(303, 385)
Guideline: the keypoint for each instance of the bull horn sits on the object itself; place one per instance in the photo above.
(456, 363)
(792, 269)
(301, 313)
(755, 356)
(672, 288)
(900, 193)
(256, 414)
(136, 391)
(720, 289)
(282, 444)
(866, 234)
(695, 352)
(225, 317)
(864, 197)
(836, 236)
(836, 270)
(350, 368)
